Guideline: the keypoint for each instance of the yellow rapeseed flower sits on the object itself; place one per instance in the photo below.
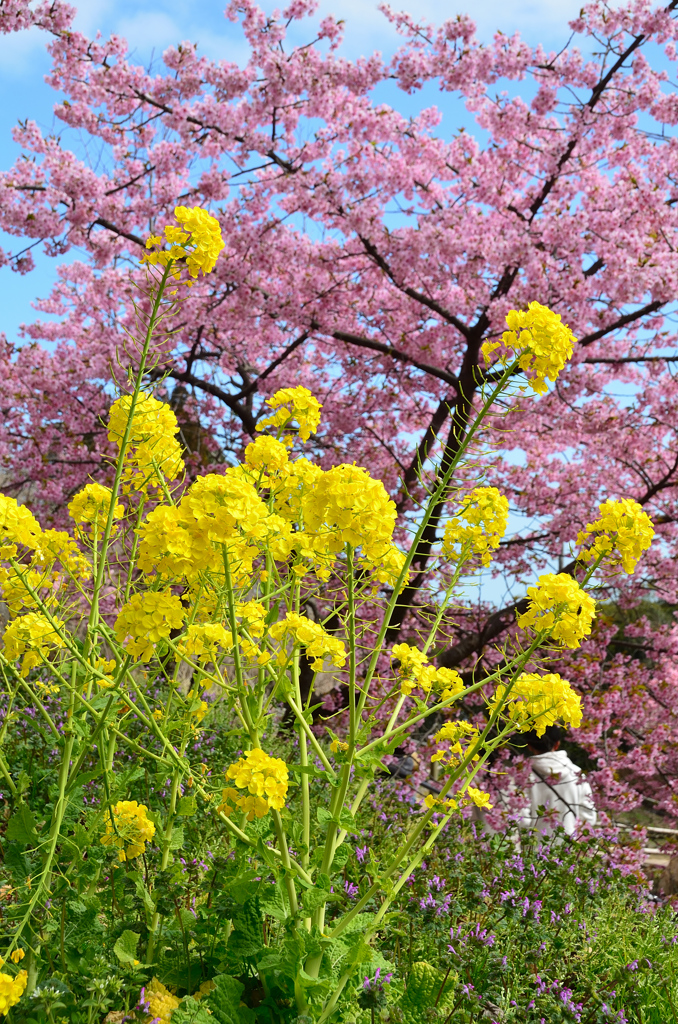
(623, 528)
(152, 446)
(347, 506)
(203, 642)
(90, 507)
(31, 637)
(18, 526)
(313, 636)
(535, 702)
(161, 1002)
(293, 405)
(266, 453)
(11, 990)
(146, 620)
(165, 544)
(198, 241)
(130, 829)
(545, 342)
(18, 589)
(461, 736)
(57, 546)
(478, 797)
(414, 671)
(219, 508)
(479, 526)
(559, 606)
(264, 777)
(292, 483)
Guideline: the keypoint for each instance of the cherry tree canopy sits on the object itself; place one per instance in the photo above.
(368, 257)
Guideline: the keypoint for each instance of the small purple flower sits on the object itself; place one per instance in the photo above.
(350, 889)
(360, 852)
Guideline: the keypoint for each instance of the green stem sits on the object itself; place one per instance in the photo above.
(434, 500)
(166, 847)
(286, 862)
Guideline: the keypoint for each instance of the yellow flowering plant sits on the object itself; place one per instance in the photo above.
(254, 584)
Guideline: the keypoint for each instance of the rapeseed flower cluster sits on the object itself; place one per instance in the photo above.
(292, 484)
(471, 795)
(347, 506)
(203, 642)
(479, 527)
(42, 582)
(217, 510)
(623, 528)
(253, 616)
(461, 737)
(535, 702)
(21, 590)
(266, 780)
(414, 671)
(313, 636)
(18, 526)
(152, 447)
(267, 453)
(559, 605)
(198, 241)
(90, 507)
(11, 990)
(478, 797)
(293, 406)
(159, 1001)
(129, 828)
(32, 638)
(545, 342)
(226, 511)
(57, 546)
(146, 620)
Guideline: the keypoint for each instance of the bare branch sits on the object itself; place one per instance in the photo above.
(394, 353)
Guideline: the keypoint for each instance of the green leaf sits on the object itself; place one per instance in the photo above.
(247, 937)
(346, 819)
(423, 986)
(308, 769)
(315, 897)
(224, 1002)
(126, 947)
(83, 778)
(177, 840)
(187, 805)
(340, 857)
(272, 902)
(23, 783)
(21, 826)
(81, 837)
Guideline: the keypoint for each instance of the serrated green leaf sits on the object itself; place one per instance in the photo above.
(21, 826)
(341, 855)
(177, 840)
(186, 806)
(272, 902)
(126, 947)
(224, 1002)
